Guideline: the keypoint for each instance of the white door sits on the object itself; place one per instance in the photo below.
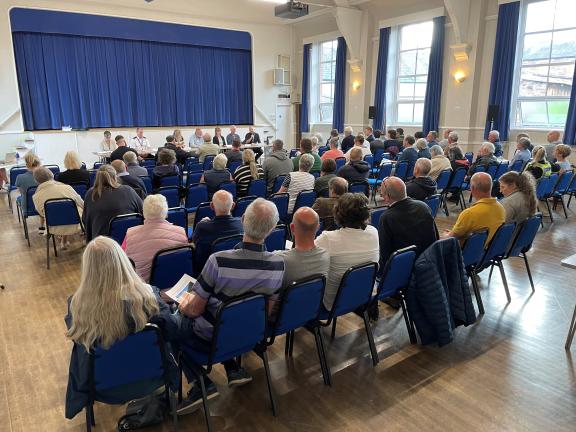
(283, 124)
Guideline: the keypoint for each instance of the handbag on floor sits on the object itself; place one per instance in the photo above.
(143, 412)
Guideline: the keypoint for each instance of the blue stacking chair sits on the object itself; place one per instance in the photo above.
(203, 210)
(226, 243)
(147, 183)
(316, 174)
(240, 327)
(454, 186)
(354, 294)
(526, 233)
(401, 170)
(360, 187)
(276, 240)
(148, 163)
(516, 166)
(208, 161)
(492, 170)
(305, 198)
(193, 178)
(131, 368)
(472, 252)
(281, 200)
(97, 165)
(167, 181)
(571, 191)
(375, 215)
(384, 171)
(150, 169)
(299, 306)
(369, 159)
(294, 152)
(378, 156)
(120, 224)
(257, 188)
(229, 186)
(242, 204)
(322, 150)
(278, 181)
(502, 168)
(30, 210)
(234, 165)
(394, 281)
(59, 212)
(179, 216)
(340, 162)
(544, 191)
(172, 195)
(469, 156)
(496, 252)
(192, 165)
(433, 202)
(443, 179)
(561, 188)
(80, 188)
(14, 172)
(55, 170)
(169, 265)
(92, 176)
(197, 193)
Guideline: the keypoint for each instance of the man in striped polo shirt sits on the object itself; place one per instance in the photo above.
(246, 269)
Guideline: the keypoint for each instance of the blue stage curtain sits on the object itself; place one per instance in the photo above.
(339, 86)
(434, 84)
(503, 68)
(304, 121)
(570, 128)
(380, 94)
(95, 82)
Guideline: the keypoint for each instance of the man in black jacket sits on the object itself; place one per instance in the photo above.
(121, 148)
(125, 178)
(356, 170)
(348, 140)
(253, 138)
(422, 185)
(181, 155)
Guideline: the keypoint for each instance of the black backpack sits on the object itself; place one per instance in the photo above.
(143, 412)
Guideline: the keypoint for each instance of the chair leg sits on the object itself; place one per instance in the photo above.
(408, 321)
(322, 356)
(476, 289)
(287, 344)
(292, 336)
(269, 382)
(549, 210)
(205, 403)
(88, 419)
(570, 199)
(563, 207)
(92, 417)
(571, 331)
(333, 334)
(26, 233)
(370, 336)
(48, 252)
(529, 272)
(54, 244)
(490, 274)
(173, 408)
(10, 202)
(503, 274)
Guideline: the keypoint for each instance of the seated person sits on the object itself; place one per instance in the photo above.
(217, 175)
(252, 138)
(524, 135)
(306, 148)
(235, 154)
(409, 153)
(377, 143)
(132, 166)
(26, 180)
(392, 145)
(432, 139)
(47, 189)
(422, 185)
(208, 230)
(121, 149)
(522, 153)
(539, 167)
(357, 170)
(276, 163)
(231, 273)
(422, 148)
(354, 243)
(348, 140)
(334, 151)
(519, 190)
(218, 137)
(125, 178)
(439, 162)
(561, 153)
(249, 171)
(456, 157)
(181, 154)
(325, 206)
(327, 173)
(142, 242)
(358, 143)
(485, 213)
(108, 306)
(106, 200)
(298, 181)
(74, 173)
(494, 138)
(165, 166)
(208, 148)
(485, 157)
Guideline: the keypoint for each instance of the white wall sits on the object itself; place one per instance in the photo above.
(268, 41)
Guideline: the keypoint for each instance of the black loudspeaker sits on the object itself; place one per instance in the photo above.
(371, 112)
(493, 112)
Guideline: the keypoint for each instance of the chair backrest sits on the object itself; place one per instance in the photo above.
(469, 156)
(410, 172)
(378, 155)
(150, 170)
(340, 162)
(401, 170)
(369, 159)
(169, 265)
(15, 172)
(502, 168)
(385, 171)
(61, 211)
(375, 216)
(360, 187)
(281, 200)
(278, 183)
(120, 224)
(193, 178)
(226, 243)
(242, 204)
(516, 166)
(355, 289)
(456, 180)
(545, 186)
(473, 248)
(322, 150)
(240, 326)
(276, 240)
(131, 368)
(315, 174)
(443, 179)
(203, 210)
(171, 180)
(178, 216)
(397, 272)
(97, 165)
(300, 304)
(305, 198)
(234, 165)
(230, 187)
(197, 193)
(147, 183)
(148, 163)
(80, 188)
(172, 194)
(193, 166)
(257, 188)
(499, 244)
(208, 161)
(563, 182)
(30, 207)
(92, 176)
(492, 169)
(294, 152)
(54, 168)
(433, 202)
(525, 235)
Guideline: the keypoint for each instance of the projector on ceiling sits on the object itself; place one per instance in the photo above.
(291, 10)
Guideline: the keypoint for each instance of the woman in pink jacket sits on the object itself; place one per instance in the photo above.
(144, 241)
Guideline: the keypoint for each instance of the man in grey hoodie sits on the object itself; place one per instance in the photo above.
(276, 163)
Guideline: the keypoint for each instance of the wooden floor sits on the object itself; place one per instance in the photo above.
(509, 372)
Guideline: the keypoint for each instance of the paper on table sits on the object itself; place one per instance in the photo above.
(181, 288)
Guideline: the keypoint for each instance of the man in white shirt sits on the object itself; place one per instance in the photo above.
(140, 143)
(196, 140)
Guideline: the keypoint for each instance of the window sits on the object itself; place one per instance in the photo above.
(545, 64)
(414, 44)
(325, 79)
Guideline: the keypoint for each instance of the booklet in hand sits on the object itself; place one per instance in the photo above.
(181, 288)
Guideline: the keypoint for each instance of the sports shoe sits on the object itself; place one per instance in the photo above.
(238, 377)
(193, 400)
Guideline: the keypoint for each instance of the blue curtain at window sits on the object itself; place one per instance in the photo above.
(434, 83)
(304, 121)
(503, 68)
(91, 82)
(570, 128)
(339, 86)
(380, 94)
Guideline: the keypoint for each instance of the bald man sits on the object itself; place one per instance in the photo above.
(485, 213)
(407, 222)
(553, 138)
(305, 259)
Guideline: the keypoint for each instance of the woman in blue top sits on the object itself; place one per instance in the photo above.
(26, 180)
(217, 175)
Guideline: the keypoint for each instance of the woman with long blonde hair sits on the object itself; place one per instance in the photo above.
(111, 303)
(249, 171)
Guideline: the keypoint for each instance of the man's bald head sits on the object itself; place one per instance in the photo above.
(222, 202)
(481, 185)
(306, 221)
(553, 135)
(393, 190)
(119, 166)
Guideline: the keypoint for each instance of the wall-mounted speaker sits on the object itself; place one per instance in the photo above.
(371, 112)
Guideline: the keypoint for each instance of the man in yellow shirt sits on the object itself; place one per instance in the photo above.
(486, 213)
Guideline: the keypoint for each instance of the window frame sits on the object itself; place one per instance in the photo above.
(316, 96)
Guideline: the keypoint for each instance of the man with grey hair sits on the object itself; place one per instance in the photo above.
(125, 178)
(276, 164)
(406, 222)
(348, 140)
(248, 268)
(432, 138)
(132, 166)
(553, 138)
(439, 162)
(444, 142)
(298, 181)
(207, 148)
(485, 157)
(337, 187)
(494, 138)
(422, 185)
